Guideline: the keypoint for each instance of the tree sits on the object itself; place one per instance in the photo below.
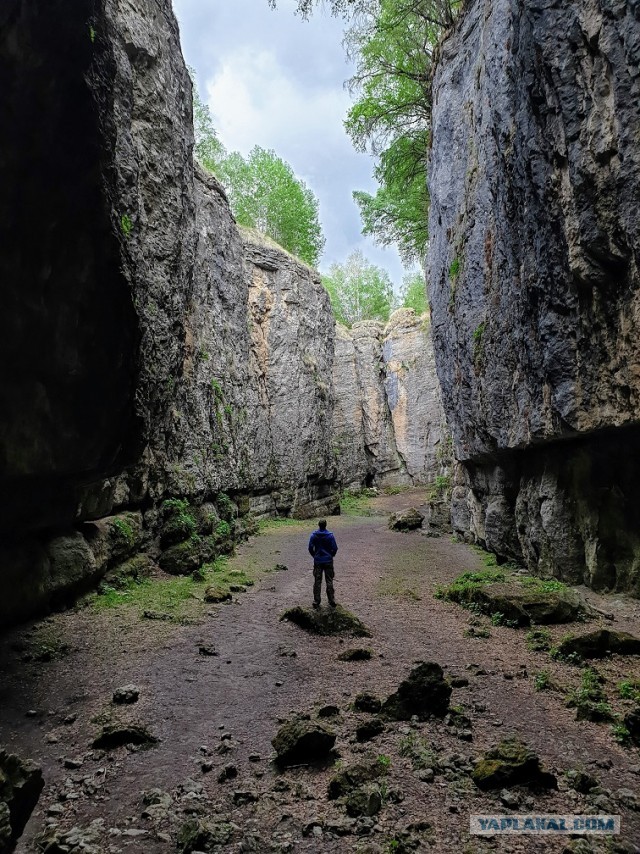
(264, 193)
(393, 42)
(359, 290)
(413, 293)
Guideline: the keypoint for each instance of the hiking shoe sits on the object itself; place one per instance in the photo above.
(316, 606)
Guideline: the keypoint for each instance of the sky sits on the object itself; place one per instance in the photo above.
(274, 80)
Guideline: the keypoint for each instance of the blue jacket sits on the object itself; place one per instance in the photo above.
(322, 546)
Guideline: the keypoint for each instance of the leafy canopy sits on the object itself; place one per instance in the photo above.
(264, 193)
(413, 292)
(359, 290)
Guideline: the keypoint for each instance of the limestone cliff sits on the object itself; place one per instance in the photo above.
(534, 282)
(388, 419)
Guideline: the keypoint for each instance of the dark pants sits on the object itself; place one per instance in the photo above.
(318, 569)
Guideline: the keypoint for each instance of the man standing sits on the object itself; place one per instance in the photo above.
(322, 548)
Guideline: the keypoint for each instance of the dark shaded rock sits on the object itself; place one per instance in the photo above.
(599, 643)
(135, 569)
(126, 695)
(359, 654)
(520, 605)
(458, 681)
(245, 796)
(196, 835)
(20, 786)
(335, 621)
(280, 567)
(183, 558)
(300, 742)
(423, 693)
(511, 763)
(406, 520)
(207, 651)
(369, 730)
(328, 711)
(157, 615)
(580, 781)
(117, 735)
(229, 772)
(632, 723)
(354, 776)
(363, 801)
(366, 702)
(215, 594)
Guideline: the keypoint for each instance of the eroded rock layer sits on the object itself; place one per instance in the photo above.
(534, 282)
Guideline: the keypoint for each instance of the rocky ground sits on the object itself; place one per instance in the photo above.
(208, 686)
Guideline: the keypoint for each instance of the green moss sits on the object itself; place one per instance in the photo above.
(454, 269)
(121, 529)
(356, 502)
(126, 225)
(538, 640)
(478, 347)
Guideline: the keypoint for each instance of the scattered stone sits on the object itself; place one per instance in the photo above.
(511, 763)
(369, 730)
(72, 763)
(115, 735)
(254, 757)
(426, 775)
(328, 711)
(20, 786)
(458, 681)
(70, 719)
(423, 693)
(599, 643)
(332, 621)
(363, 801)
(406, 520)
(126, 695)
(214, 594)
(196, 836)
(300, 742)
(245, 796)
(509, 799)
(359, 654)
(229, 772)
(366, 702)
(157, 615)
(280, 567)
(354, 776)
(74, 841)
(206, 767)
(207, 651)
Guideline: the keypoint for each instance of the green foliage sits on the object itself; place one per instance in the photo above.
(620, 733)
(413, 293)
(92, 34)
(478, 334)
(542, 585)
(359, 290)
(208, 149)
(454, 269)
(384, 760)
(538, 640)
(589, 698)
(223, 530)
(629, 689)
(356, 502)
(123, 531)
(126, 225)
(542, 681)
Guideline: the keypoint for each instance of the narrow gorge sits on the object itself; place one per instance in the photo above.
(178, 403)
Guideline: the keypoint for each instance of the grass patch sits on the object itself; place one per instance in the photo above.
(621, 734)
(629, 689)
(542, 585)
(357, 503)
(280, 522)
(589, 699)
(465, 585)
(542, 681)
(539, 640)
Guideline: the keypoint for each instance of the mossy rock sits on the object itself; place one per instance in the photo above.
(198, 835)
(183, 558)
(365, 801)
(359, 654)
(598, 644)
(511, 763)
(354, 776)
(135, 569)
(369, 730)
(215, 594)
(334, 621)
(300, 742)
(520, 605)
(632, 723)
(423, 693)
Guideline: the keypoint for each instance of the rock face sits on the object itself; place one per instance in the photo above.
(20, 786)
(388, 421)
(534, 281)
(152, 349)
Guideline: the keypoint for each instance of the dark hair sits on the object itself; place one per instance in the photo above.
(322, 524)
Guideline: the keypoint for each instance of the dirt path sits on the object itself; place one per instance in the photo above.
(264, 670)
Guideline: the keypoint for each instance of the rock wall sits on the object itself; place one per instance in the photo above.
(534, 282)
(388, 420)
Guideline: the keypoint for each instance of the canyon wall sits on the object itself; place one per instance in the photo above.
(534, 281)
(388, 420)
(167, 377)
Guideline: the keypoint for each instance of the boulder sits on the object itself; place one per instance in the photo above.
(599, 643)
(364, 801)
(366, 702)
(335, 621)
(358, 654)
(20, 786)
(511, 763)
(406, 520)
(215, 594)
(115, 735)
(196, 835)
(183, 558)
(126, 695)
(301, 742)
(354, 776)
(632, 723)
(369, 730)
(423, 693)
